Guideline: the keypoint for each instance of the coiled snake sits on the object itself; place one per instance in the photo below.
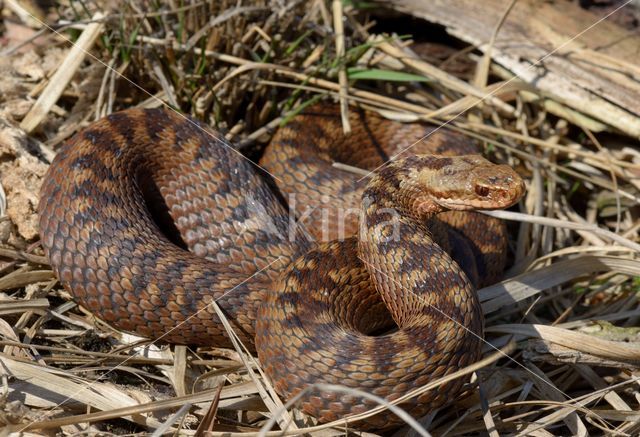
(125, 198)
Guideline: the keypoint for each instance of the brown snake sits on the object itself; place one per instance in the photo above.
(125, 198)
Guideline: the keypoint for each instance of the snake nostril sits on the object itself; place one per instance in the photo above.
(482, 190)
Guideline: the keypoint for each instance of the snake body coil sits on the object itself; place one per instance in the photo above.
(126, 197)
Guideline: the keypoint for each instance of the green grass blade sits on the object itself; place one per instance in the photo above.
(388, 75)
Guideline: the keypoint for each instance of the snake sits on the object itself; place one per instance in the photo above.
(158, 226)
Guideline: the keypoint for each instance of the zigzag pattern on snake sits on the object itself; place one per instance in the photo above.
(147, 218)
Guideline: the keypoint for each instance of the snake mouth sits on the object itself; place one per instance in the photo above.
(483, 197)
(468, 204)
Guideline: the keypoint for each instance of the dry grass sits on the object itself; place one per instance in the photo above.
(562, 348)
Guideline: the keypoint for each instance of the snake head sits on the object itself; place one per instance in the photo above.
(467, 182)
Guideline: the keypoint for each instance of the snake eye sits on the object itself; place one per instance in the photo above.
(482, 190)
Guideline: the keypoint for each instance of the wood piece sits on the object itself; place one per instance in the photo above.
(543, 351)
(583, 343)
(593, 68)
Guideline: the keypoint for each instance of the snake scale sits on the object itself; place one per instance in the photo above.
(148, 217)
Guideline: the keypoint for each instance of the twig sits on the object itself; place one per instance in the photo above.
(219, 19)
(509, 215)
(448, 80)
(482, 71)
(63, 75)
(338, 27)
